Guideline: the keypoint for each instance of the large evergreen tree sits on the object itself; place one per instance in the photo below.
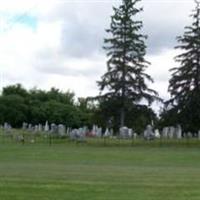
(125, 79)
(184, 85)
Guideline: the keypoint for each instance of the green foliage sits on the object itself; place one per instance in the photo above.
(35, 106)
(184, 85)
(138, 116)
(13, 109)
(125, 79)
(15, 90)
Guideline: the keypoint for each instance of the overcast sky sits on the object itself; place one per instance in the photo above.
(59, 43)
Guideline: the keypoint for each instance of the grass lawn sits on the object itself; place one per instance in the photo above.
(68, 171)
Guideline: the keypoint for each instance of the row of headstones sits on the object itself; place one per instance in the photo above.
(61, 130)
(82, 133)
(168, 133)
(124, 132)
(6, 127)
(52, 128)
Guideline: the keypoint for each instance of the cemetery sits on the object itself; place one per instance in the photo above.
(52, 161)
(133, 139)
(81, 164)
(52, 133)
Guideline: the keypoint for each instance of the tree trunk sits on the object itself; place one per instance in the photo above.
(122, 117)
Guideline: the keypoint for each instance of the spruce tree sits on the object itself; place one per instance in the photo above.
(184, 85)
(125, 79)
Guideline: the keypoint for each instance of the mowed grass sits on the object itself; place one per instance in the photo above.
(71, 171)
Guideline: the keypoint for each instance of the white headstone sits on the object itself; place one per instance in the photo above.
(178, 132)
(54, 128)
(61, 130)
(134, 135)
(107, 133)
(157, 133)
(46, 127)
(124, 132)
(99, 132)
(130, 132)
(40, 127)
(171, 133)
(148, 133)
(165, 132)
(36, 128)
(24, 126)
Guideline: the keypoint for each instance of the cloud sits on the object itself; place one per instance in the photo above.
(74, 67)
(159, 70)
(64, 49)
(164, 21)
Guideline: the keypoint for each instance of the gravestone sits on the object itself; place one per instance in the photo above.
(165, 132)
(24, 125)
(7, 128)
(134, 135)
(130, 132)
(107, 133)
(36, 129)
(72, 134)
(46, 127)
(40, 128)
(157, 134)
(178, 132)
(30, 128)
(68, 131)
(54, 128)
(61, 130)
(171, 133)
(78, 134)
(148, 133)
(99, 132)
(94, 130)
(124, 133)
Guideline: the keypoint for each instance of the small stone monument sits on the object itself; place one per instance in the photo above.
(107, 133)
(30, 128)
(124, 132)
(99, 132)
(171, 133)
(61, 130)
(36, 128)
(40, 128)
(178, 132)
(46, 127)
(165, 132)
(54, 128)
(24, 125)
(148, 133)
(157, 134)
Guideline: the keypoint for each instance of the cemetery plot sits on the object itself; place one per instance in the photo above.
(53, 133)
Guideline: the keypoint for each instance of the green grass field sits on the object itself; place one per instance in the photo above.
(72, 171)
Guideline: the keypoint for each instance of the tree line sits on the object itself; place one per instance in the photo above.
(18, 105)
(123, 87)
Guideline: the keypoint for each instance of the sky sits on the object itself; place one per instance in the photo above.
(58, 43)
